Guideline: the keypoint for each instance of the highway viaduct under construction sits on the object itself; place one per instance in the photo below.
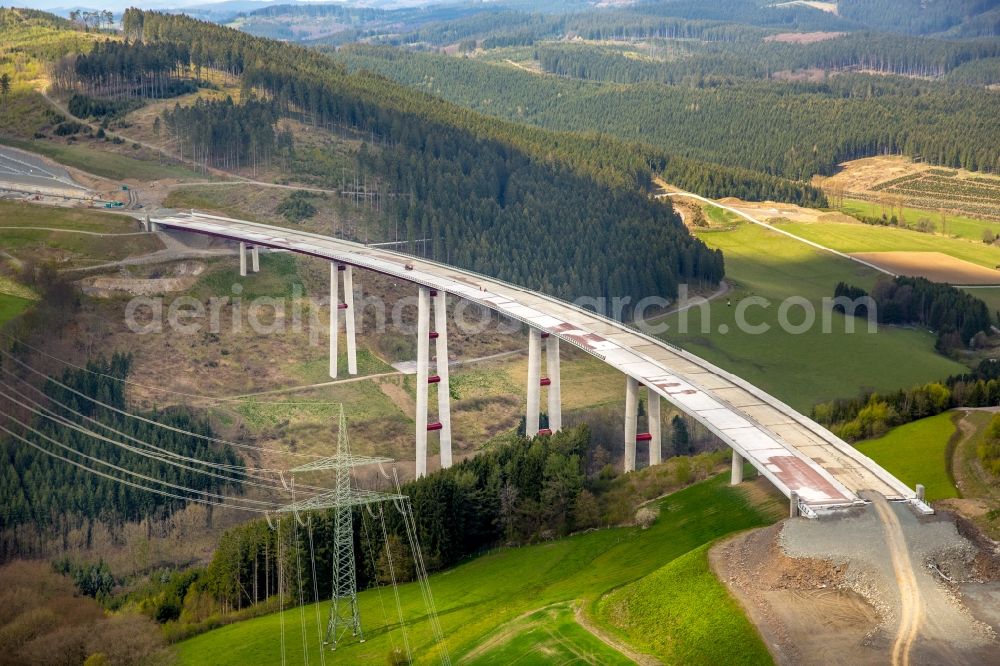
(816, 470)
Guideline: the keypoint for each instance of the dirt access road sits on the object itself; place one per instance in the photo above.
(873, 585)
(911, 603)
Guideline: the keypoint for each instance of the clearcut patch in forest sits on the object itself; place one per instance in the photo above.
(899, 180)
(935, 266)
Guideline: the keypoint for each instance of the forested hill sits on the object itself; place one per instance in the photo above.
(793, 130)
(513, 22)
(552, 211)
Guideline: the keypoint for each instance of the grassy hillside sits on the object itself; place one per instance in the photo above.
(696, 622)
(11, 306)
(917, 453)
(476, 598)
(549, 635)
(69, 248)
(813, 367)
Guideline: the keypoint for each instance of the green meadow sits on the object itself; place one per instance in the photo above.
(917, 453)
(499, 594)
(847, 237)
(963, 226)
(801, 369)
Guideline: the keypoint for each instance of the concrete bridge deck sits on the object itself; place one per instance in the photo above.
(793, 452)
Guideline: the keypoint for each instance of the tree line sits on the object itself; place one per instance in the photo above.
(705, 64)
(872, 414)
(117, 70)
(957, 316)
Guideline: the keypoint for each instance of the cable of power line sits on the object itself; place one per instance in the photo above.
(145, 420)
(235, 469)
(51, 416)
(129, 382)
(126, 481)
(124, 470)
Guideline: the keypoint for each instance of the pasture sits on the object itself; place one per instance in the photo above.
(715, 629)
(851, 238)
(917, 452)
(947, 223)
(805, 368)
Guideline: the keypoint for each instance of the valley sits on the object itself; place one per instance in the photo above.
(655, 332)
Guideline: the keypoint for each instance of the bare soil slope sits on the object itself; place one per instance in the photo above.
(826, 591)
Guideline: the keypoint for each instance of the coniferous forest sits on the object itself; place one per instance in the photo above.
(483, 192)
(41, 497)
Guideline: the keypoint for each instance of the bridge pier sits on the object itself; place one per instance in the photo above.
(444, 386)
(654, 437)
(653, 410)
(555, 384)
(631, 419)
(349, 321)
(425, 379)
(532, 416)
(736, 477)
(255, 255)
(534, 382)
(243, 259)
(423, 358)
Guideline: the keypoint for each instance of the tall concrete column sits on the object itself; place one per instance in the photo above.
(736, 477)
(555, 391)
(444, 387)
(534, 382)
(631, 417)
(255, 256)
(243, 259)
(653, 398)
(334, 314)
(423, 353)
(350, 321)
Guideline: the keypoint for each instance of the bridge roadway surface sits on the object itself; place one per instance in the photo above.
(793, 452)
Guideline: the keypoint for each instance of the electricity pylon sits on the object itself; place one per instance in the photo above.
(344, 615)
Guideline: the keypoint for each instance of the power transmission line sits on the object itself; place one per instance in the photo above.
(48, 414)
(149, 421)
(126, 481)
(125, 470)
(129, 382)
